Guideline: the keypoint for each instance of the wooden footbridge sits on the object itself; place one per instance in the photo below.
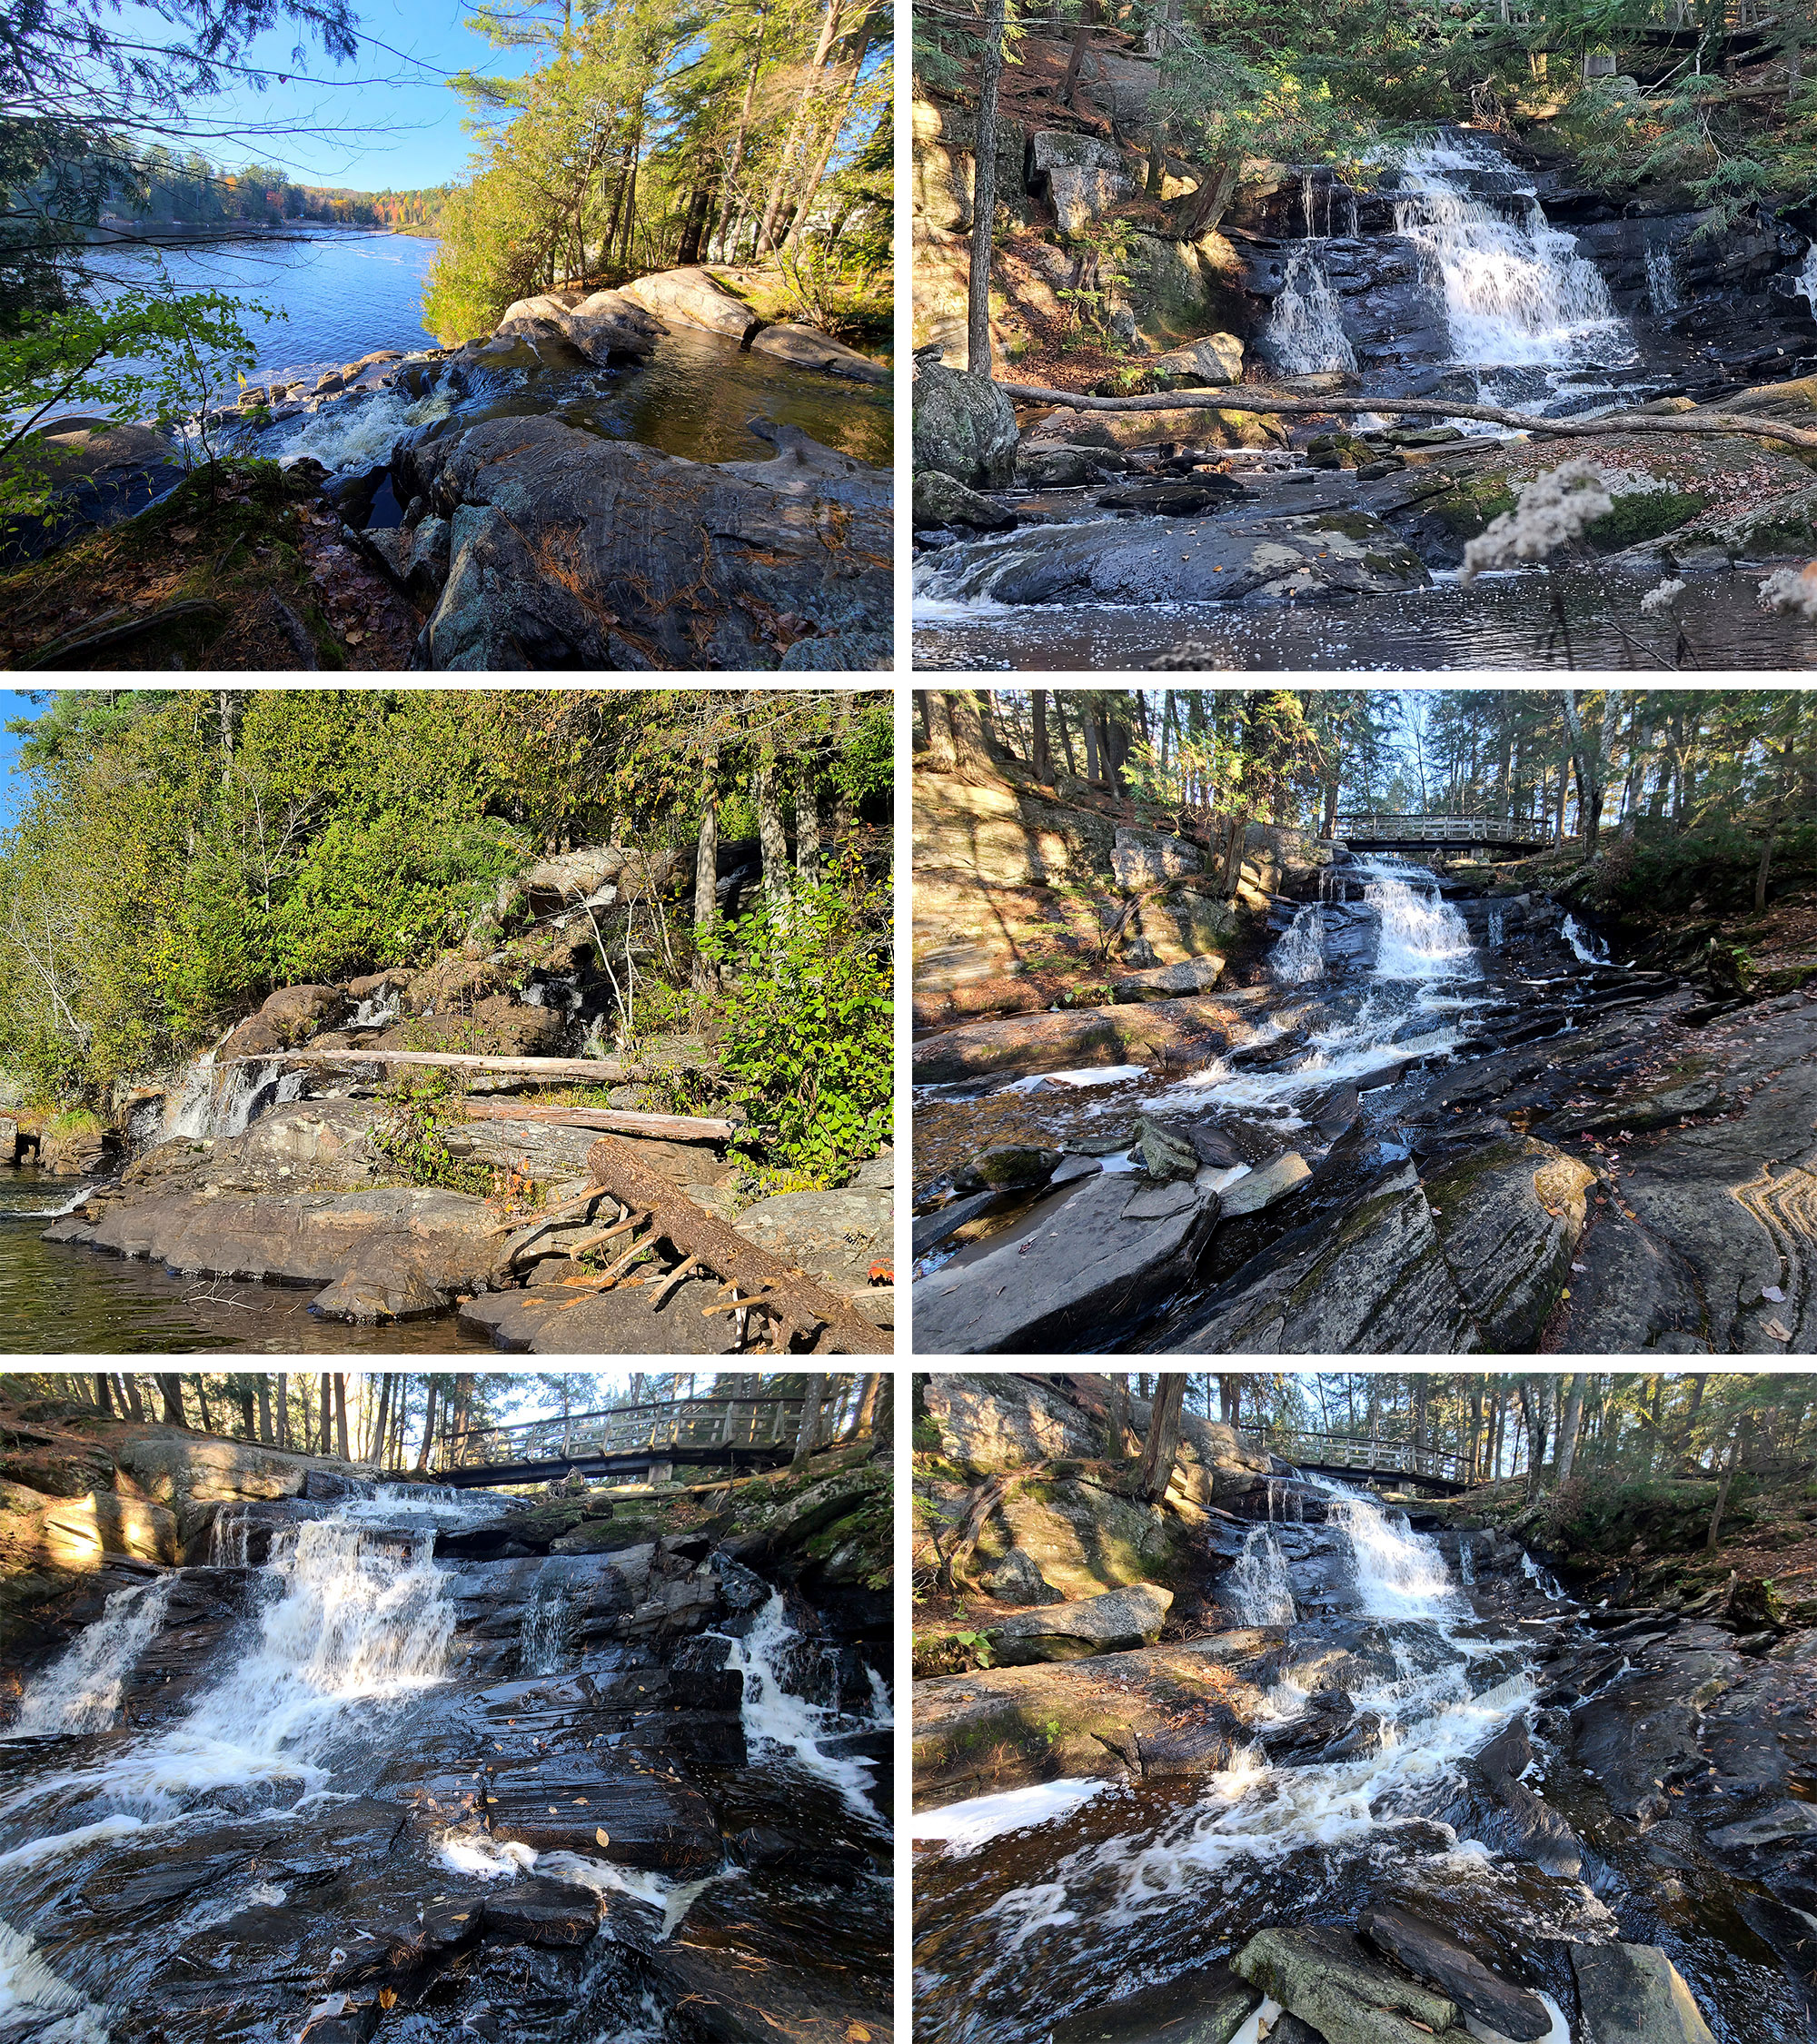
(651, 1440)
(1429, 833)
(1378, 1465)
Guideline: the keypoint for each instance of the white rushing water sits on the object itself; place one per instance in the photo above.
(213, 1101)
(1260, 1592)
(1304, 333)
(1423, 936)
(777, 1718)
(542, 1638)
(348, 435)
(35, 2004)
(82, 1692)
(1514, 289)
(1588, 947)
(1299, 957)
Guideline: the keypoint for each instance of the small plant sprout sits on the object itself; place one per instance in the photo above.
(1792, 588)
(1662, 597)
(1551, 510)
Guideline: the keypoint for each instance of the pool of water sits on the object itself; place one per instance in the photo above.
(341, 294)
(1504, 621)
(56, 1300)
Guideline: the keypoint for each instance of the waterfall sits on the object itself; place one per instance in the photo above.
(774, 1716)
(35, 2004)
(208, 1106)
(1514, 292)
(1299, 957)
(542, 1639)
(1807, 279)
(1466, 1564)
(1423, 936)
(82, 1692)
(1495, 929)
(1260, 1592)
(1590, 948)
(377, 1011)
(1304, 332)
(1662, 271)
(1399, 1573)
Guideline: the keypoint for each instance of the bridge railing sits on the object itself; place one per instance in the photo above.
(676, 1425)
(1443, 830)
(1332, 1450)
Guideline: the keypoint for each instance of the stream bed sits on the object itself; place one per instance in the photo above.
(368, 1767)
(1413, 1726)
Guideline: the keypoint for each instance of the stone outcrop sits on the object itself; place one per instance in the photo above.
(963, 426)
(807, 348)
(663, 563)
(603, 325)
(1111, 1623)
(693, 297)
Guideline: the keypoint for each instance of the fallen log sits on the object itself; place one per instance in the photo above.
(122, 627)
(1240, 398)
(608, 1121)
(611, 1069)
(795, 1302)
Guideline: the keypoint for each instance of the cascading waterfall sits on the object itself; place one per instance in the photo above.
(1495, 929)
(542, 1639)
(1260, 1592)
(211, 1104)
(1589, 948)
(1514, 291)
(1400, 1574)
(1304, 333)
(1299, 957)
(1661, 272)
(82, 1692)
(1807, 279)
(1466, 1563)
(776, 1717)
(1423, 936)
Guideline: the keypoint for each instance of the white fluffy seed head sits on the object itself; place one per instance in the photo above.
(1661, 598)
(1549, 510)
(1792, 588)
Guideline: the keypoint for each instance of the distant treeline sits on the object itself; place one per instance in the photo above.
(160, 186)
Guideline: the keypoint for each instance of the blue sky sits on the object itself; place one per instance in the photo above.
(13, 702)
(389, 119)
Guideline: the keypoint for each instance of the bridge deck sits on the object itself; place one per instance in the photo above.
(1386, 831)
(1331, 1454)
(718, 1433)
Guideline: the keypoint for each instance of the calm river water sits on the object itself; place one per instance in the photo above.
(61, 1301)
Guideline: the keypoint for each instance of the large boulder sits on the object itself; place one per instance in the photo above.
(965, 427)
(1434, 1955)
(1142, 1032)
(1323, 1976)
(1112, 1623)
(940, 501)
(1102, 1253)
(601, 325)
(1509, 1217)
(1206, 2006)
(834, 1236)
(693, 297)
(807, 348)
(663, 564)
(288, 1018)
(1634, 1994)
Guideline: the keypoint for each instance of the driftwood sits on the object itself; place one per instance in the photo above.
(1238, 397)
(797, 1305)
(122, 627)
(608, 1121)
(611, 1069)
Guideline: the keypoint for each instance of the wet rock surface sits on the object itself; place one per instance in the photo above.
(358, 1779)
(1432, 1795)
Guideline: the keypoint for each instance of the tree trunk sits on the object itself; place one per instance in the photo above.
(1040, 762)
(1725, 1486)
(324, 1437)
(283, 1409)
(202, 1401)
(693, 226)
(743, 129)
(975, 763)
(103, 1393)
(341, 1414)
(808, 1433)
(705, 973)
(129, 1384)
(984, 195)
(1164, 1436)
(428, 1429)
(1069, 84)
(265, 1410)
(830, 29)
(937, 719)
(866, 1405)
(807, 825)
(810, 190)
(772, 839)
(1568, 1427)
(244, 1398)
(381, 1420)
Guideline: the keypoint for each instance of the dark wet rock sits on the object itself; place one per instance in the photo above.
(1102, 1252)
(1326, 1978)
(807, 348)
(938, 501)
(1633, 1994)
(542, 1913)
(1509, 1219)
(699, 577)
(1207, 2005)
(963, 427)
(933, 1229)
(1183, 499)
(1639, 1736)
(1007, 1164)
(1118, 1620)
(1432, 1954)
(1771, 1827)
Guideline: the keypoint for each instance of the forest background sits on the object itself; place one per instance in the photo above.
(180, 853)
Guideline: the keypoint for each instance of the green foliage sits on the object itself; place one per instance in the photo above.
(808, 1045)
(1102, 246)
(413, 1136)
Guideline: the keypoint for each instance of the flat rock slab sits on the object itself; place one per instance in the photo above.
(1153, 1031)
(1633, 1994)
(834, 1236)
(1104, 1251)
(807, 348)
(1206, 2006)
(1111, 1623)
(1509, 1217)
(1434, 1955)
(1259, 1188)
(1784, 1821)
(692, 297)
(1326, 1979)
(553, 1319)
(561, 1802)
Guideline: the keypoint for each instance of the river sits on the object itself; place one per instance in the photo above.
(1370, 1667)
(359, 1770)
(76, 1303)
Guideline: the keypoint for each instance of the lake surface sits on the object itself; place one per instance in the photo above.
(1502, 620)
(57, 1300)
(341, 294)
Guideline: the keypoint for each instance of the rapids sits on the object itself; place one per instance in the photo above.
(1035, 1905)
